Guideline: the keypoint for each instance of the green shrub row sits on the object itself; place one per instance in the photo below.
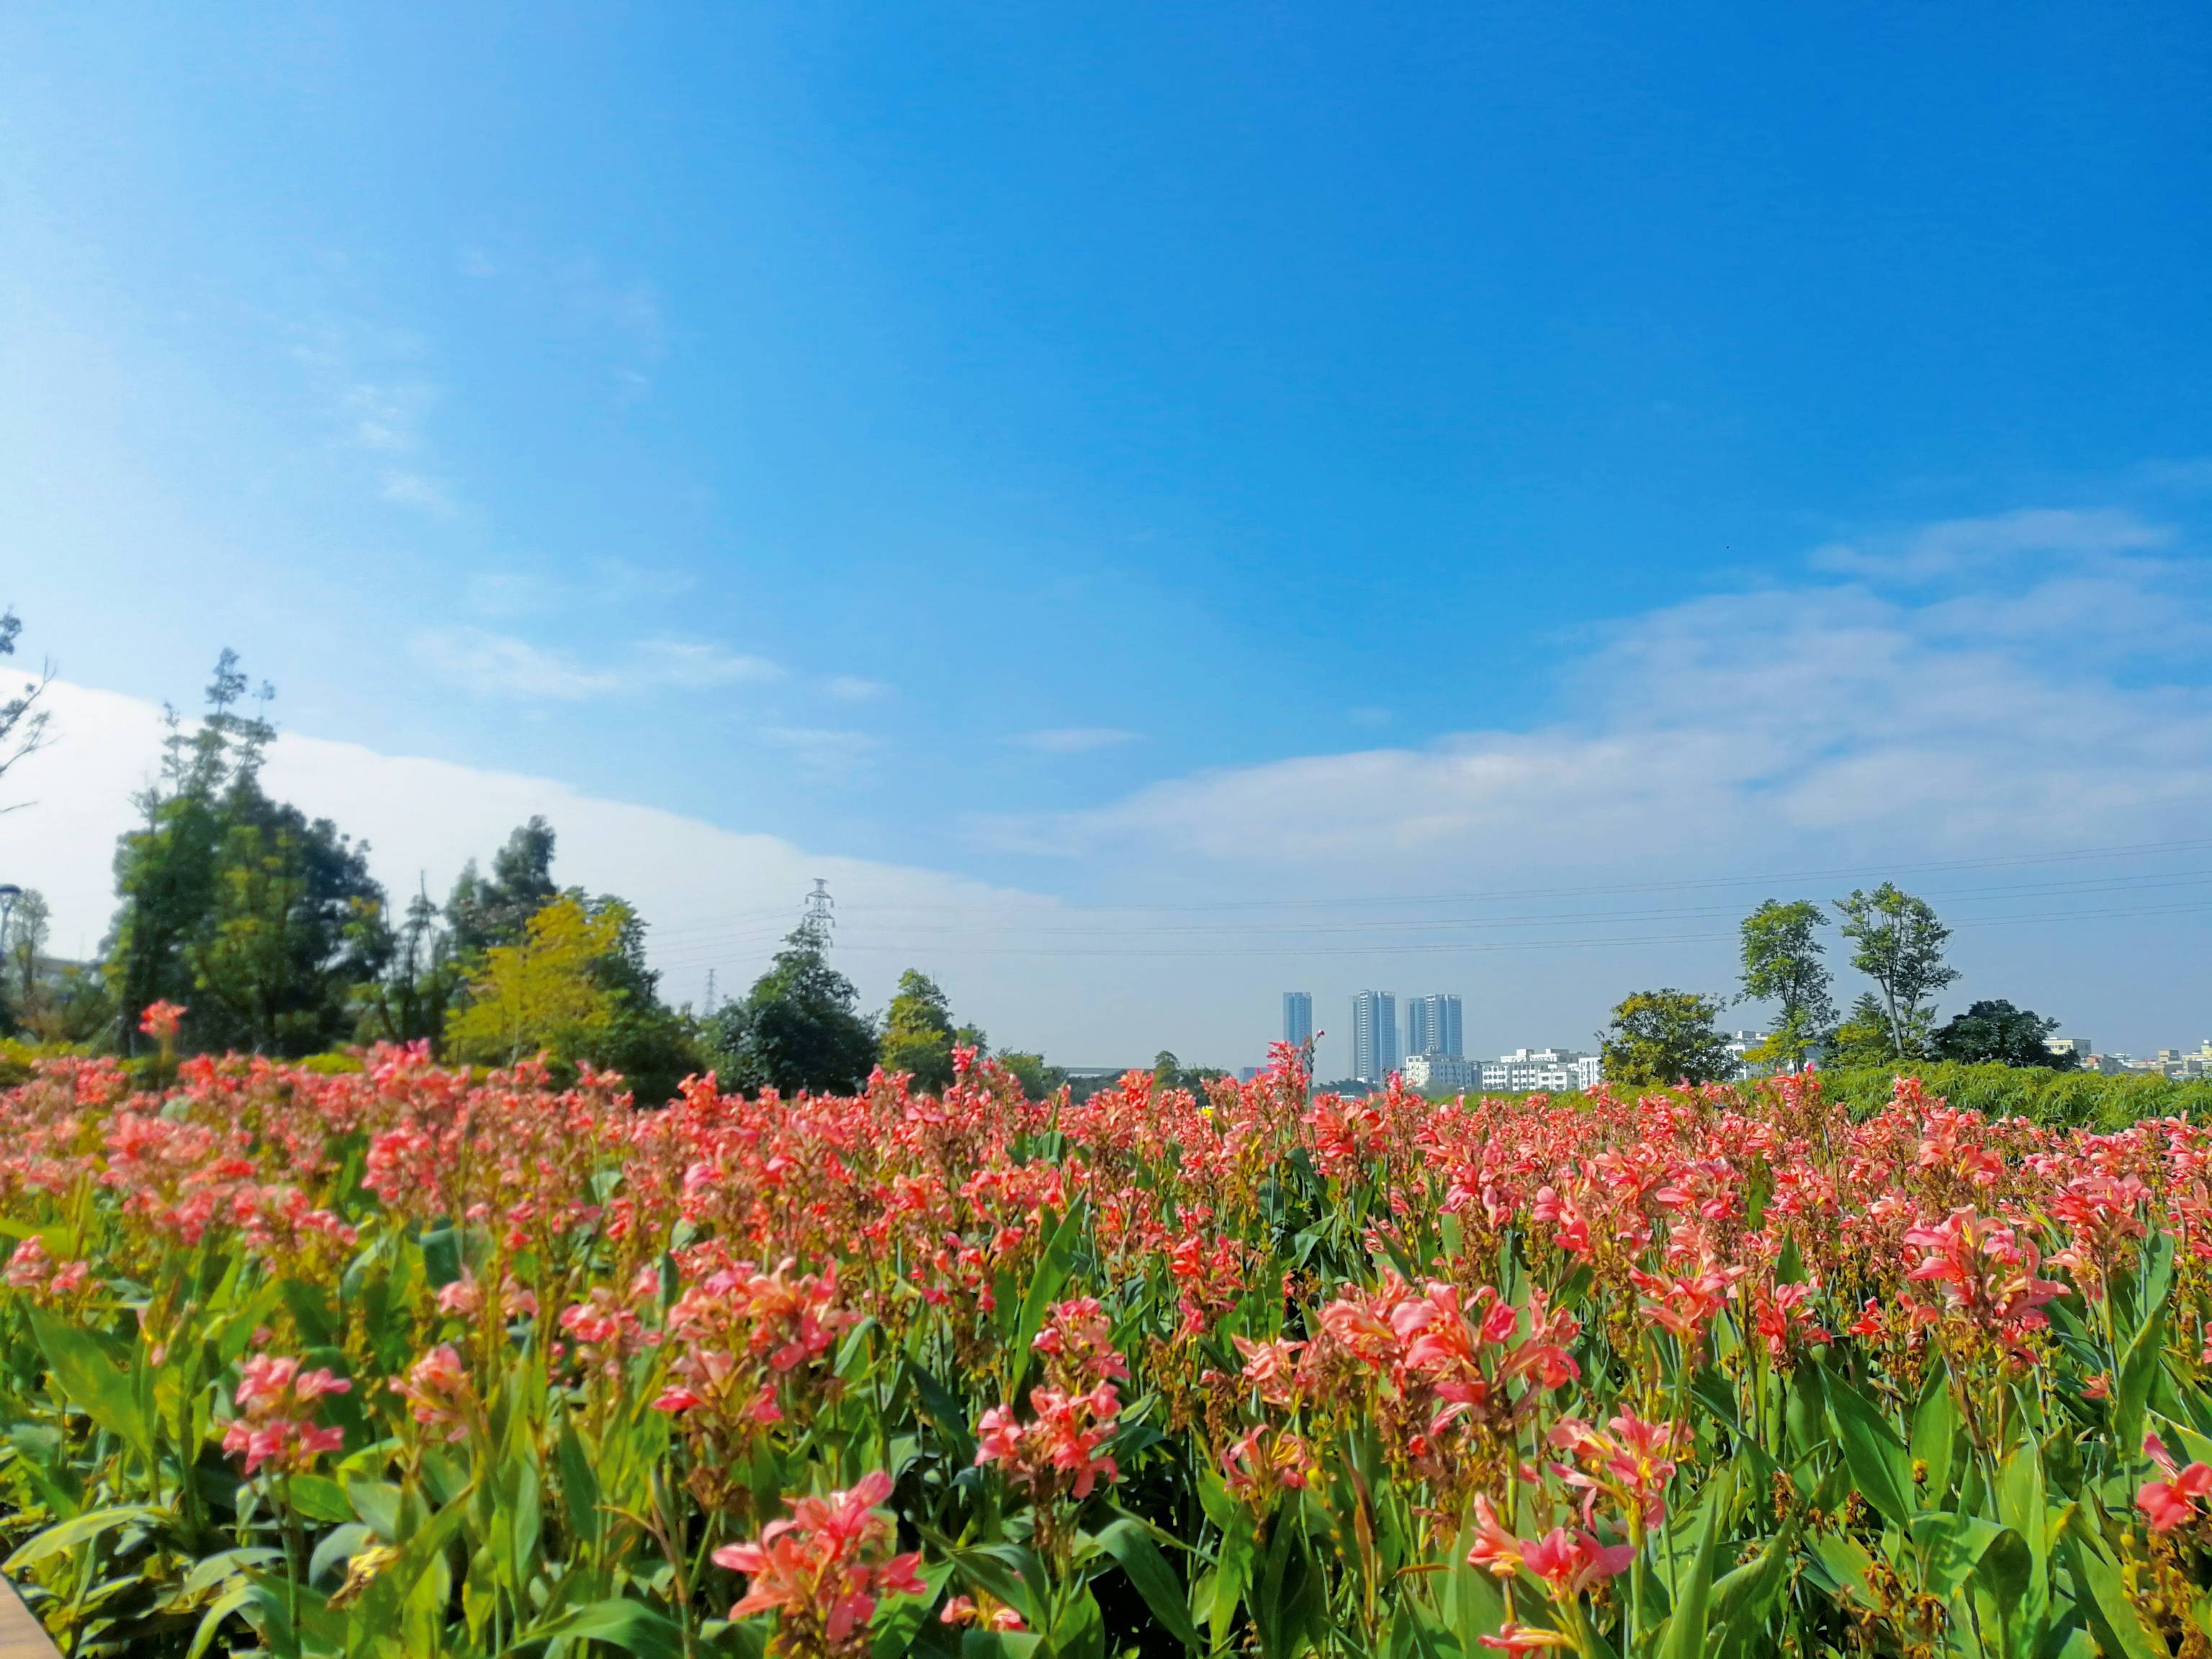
(2090, 1099)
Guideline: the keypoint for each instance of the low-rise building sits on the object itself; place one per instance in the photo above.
(1437, 1072)
(1553, 1070)
(1740, 1045)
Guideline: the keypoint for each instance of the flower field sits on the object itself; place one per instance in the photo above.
(404, 1363)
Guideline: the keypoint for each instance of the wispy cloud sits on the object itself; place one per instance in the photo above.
(1963, 547)
(488, 663)
(500, 666)
(413, 490)
(1072, 739)
(1863, 713)
(846, 688)
(697, 667)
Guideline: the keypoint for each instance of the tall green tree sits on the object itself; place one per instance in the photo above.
(1665, 1038)
(497, 910)
(919, 1033)
(1898, 944)
(1996, 1031)
(1782, 957)
(262, 921)
(800, 1027)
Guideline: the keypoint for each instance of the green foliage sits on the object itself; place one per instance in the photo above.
(1866, 1038)
(1781, 963)
(423, 985)
(1664, 1037)
(1997, 1031)
(540, 992)
(1038, 1080)
(260, 921)
(574, 986)
(1898, 944)
(2039, 1094)
(497, 910)
(800, 1027)
(918, 1033)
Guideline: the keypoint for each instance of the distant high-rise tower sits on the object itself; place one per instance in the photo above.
(1297, 1018)
(1433, 1026)
(1374, 1036)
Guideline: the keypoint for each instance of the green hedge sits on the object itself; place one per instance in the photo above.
(2087, 1099)
(2031, 1091)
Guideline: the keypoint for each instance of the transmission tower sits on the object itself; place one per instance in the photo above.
(818, 916)
(710, 991)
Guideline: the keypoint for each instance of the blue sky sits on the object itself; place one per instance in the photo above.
(1121, 455)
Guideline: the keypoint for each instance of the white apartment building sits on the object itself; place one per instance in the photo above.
(1441, 1072)
(1553, 1070)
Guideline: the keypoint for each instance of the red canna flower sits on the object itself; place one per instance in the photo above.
(2171, 1501)
(160, 1020)
(821, 1569)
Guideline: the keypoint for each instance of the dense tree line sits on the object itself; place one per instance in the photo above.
(270, 930)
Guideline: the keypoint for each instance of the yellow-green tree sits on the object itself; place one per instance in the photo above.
(545, 993)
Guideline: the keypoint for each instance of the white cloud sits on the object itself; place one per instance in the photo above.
(1730, 728)
(1073, 739)
(1963, 546)
(846, 688)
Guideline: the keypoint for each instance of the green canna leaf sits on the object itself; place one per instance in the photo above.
(96, 1375)
(1936, 1430)
(620, 1623)
(2140, 1360)
(1044, 1288)
(1872, 1450)
(1132, 1548)
(1684, 1637)
(82, 1529)
(2106, 1604)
